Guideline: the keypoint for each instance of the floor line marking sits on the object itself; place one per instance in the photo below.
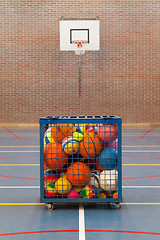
(143, 151)
(4, 176)
(17, 151)
(37, 187)
(81, 223)
(17, 146)
(123, 146)
(140, 164)
(37, 164)
(34, 204)
(147, 132)
(20, 165)
(19, 187)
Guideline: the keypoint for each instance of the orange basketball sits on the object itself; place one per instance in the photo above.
(78, 174)
(54, 157)
(90, 146)
(60, 131)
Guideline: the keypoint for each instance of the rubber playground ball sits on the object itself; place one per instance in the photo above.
(90, 146)
(89, 191)
(60, 131)
(50, 176)
(94, 180)
(109, 180)
(54, 156)
(50, 190)
(107, 159)
(48, 136)
(102, 195)
(70, 145)
(78, 174)
(78, 136)
(113, 144)
(107, 132)
(63, 186)
(73, 194)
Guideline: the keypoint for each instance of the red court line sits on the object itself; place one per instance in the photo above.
(142, 177)
(136, 139)
(126, 155)
(19, 177)
(20, 156)
(16, 135)
(118, 231)
(147, 132)
(60, 231)
(11, 132)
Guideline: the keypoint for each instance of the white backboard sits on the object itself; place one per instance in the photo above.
(87, 30)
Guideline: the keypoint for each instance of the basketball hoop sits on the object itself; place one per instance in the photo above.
(80, 46)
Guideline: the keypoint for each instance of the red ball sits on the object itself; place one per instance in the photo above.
(73, 194)
(107, 133)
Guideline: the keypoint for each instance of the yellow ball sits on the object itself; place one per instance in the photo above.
(78, 136)
(102, 195)
(63, 186)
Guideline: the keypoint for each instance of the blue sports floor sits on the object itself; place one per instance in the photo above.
(23, 217)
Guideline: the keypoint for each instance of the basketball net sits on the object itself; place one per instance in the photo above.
(80, 46)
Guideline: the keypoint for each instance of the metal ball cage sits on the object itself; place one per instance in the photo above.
(80, 160)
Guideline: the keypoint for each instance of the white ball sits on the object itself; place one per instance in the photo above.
(94, 180)
(109, 180)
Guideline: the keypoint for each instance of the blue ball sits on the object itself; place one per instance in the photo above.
(107, 159)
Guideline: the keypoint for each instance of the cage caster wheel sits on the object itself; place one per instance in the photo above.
(50, 206)
(117, 205)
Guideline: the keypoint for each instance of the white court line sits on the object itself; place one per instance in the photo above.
(34, 187)
(81, 223)
(143, 151)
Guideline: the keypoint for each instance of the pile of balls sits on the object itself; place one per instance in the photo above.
(80, 161)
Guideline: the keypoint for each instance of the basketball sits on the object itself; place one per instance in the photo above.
(49, 190)
(50, 176)
(94, 180)
(109, 180)
(90, 146)
(107, 132)
(73, 194)
(48, 136)
(63, 186)
(54, 156)
(89, 191)
(78, 174)
(107, 158)
(70, 145)
(60, 131)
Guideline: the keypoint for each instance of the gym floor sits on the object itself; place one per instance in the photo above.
(24, 217)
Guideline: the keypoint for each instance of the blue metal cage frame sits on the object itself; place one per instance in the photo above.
(45, 121)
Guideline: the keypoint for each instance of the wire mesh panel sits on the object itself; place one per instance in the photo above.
(80, 159)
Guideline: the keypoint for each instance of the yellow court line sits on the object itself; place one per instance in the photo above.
(20, 204)
(42, 204)
(34, 164)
